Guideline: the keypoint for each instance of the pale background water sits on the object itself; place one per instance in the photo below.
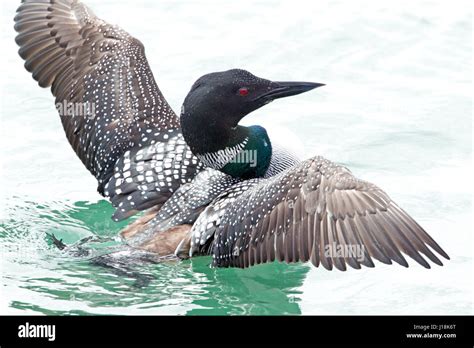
(397, 110)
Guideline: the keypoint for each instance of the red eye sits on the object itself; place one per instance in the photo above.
(243, 91)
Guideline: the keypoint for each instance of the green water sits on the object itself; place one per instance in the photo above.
(187, 287)
(397, 110)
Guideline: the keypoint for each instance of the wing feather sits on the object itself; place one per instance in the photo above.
(318, 211)
(88, 62)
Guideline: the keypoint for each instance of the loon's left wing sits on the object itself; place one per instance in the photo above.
(315, 211)
(127, 135)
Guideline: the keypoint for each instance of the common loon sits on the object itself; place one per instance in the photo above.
(198, 199)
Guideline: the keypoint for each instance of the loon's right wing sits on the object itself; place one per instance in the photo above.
(132, 142)
(315, 211)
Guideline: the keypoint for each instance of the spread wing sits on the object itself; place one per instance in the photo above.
(109, 102)
(318, 211)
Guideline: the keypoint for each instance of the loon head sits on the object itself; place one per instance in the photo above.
(212, 110)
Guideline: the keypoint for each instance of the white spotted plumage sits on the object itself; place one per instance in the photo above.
(134, 147)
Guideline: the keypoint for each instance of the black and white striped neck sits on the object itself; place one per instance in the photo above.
(242, 152)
